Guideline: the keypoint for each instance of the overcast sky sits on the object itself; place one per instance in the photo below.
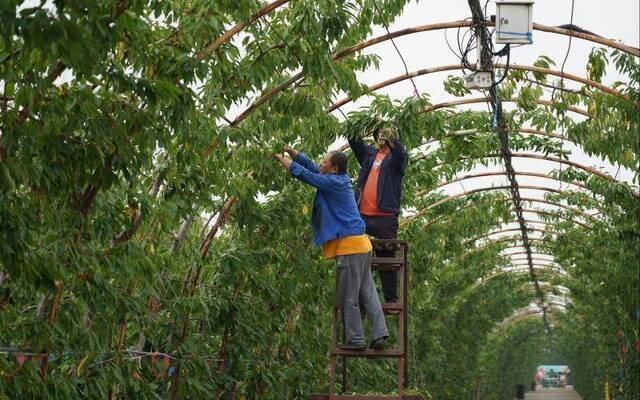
(615, 19)
(619, 20)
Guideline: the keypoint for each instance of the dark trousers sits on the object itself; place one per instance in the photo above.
(385, 228)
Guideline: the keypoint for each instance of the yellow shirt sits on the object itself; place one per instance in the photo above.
(346, 245)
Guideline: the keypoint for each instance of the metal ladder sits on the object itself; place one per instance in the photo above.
(399, 264)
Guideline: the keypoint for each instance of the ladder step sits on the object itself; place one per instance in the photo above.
(369, 353)
(386, 263)
(387, 309)
(392, 308)
(388, 244)
(387, 260)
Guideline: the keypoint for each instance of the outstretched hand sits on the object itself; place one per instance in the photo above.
(285, 162)
(291, 151)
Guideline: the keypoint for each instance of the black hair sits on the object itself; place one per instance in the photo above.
(338, 160)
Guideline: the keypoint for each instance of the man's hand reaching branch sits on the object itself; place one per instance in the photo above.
(283, 160)
(291, 151)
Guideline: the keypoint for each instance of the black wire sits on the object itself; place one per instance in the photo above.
(406, 69)
(566, 56)
(617, 172)
(506, 70)
(466, 46)
(446, 39)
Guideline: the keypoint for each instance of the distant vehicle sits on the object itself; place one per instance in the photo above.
(554, 376)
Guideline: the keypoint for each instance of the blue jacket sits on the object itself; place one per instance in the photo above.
(389, 177)
(335, 213)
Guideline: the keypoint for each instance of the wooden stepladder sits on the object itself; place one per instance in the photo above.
(399, 264)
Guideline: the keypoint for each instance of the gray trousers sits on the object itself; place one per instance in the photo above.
(354, 287)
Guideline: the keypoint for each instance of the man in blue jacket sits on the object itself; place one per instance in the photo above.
(339, 231)
(378, 193)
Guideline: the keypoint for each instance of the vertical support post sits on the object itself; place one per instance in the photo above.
(402, 318)
(405, 310)
(334, 345)
(332, 376)
(401, 375)
(344, 366)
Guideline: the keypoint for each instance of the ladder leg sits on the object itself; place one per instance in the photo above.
(405, 312)
(401, 375)
(332, 376)
(344, 374)
(344, 365)
(334, 345)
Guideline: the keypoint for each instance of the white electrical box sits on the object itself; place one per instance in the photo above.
(479, 80)
(514, 21)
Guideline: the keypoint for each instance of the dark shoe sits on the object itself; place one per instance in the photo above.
(378, 344)
(353, 346)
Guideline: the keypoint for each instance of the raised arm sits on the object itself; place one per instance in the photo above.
(360, 148)
(302, 159)
(321, 182)
(399, 156)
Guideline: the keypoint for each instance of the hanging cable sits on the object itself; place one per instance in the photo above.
(566, 56)
(416, 92)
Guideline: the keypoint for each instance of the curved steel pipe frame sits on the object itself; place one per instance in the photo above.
(470, 132)
(423, 28)
(465, 23)
(531, 314)
(520, 253)
(487, 100)
(532, 229)
(538, 211)
(453, 67)
(227, 35)
(502, 173)
(535, 156)
(523, 269)
(513, 260)
(511, 100)
(469, 192)
(526, 210)
(487, 245)
(519, 247)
